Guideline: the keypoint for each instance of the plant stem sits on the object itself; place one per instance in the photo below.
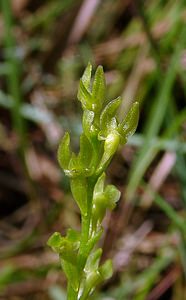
(71, 294)
(85, 229)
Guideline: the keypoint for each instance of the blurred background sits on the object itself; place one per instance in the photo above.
(44, 48)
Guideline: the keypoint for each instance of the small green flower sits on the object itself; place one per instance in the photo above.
(101, 136)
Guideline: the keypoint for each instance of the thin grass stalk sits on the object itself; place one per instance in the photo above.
(13, 74)
(155, 120)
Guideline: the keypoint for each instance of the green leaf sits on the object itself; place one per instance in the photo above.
(128, 126)
(85, 154)
(98, 89)
(86, 78)
(88, 127)
(64, 153)
(74, 168)
(79, 191)
(84, 96)
(108, 121)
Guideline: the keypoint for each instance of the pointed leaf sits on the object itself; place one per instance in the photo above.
(79, 191)
(129, 124)
(73, 163)
(85, 153)
(64, 153)
(74, 170)
(108, 119)
(86, 78)
(98, 89)
(84, 96)
(88, 128)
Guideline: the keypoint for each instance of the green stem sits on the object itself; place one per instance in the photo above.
(71, 294)
(85, 229)
(82, 256)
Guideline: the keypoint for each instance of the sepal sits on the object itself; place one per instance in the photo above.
(86, 78)
(85, 155)
(64, 152)
(84, 96)
(108, 121)
(88, 126)
(98, 90)
(76, 165)
(128, 126)
(79, 192)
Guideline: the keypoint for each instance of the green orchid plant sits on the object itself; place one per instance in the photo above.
(102, 133)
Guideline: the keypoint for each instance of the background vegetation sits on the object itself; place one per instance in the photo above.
(45, 46)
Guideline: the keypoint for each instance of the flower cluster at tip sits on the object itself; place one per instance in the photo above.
(102, 132)
(101, 136)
